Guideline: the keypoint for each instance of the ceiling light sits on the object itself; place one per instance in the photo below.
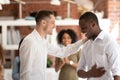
(4, 1)
(0, 7)
(20, 1)
(55, 2)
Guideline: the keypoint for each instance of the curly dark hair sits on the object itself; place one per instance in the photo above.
(68, 31)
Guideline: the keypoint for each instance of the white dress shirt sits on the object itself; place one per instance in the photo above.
(33, 55)
(104, 52)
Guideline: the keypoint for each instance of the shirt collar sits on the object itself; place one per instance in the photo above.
(99, 37)
(37, 35)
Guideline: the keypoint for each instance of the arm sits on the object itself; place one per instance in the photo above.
(15, 73)
(74, 64)
(113, 58)
(2, 72)
(67, 61)
(83, 74)
(82, 64)
(26, 61)
(94, 72)
(65, 51)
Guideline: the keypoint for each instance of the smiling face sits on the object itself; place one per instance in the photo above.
(66, 39)
(89, 25)
(50, 25)
(45, 21)
(88, 28)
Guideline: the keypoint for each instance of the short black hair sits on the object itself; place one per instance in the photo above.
(89, 17)
(42, 14)
(70, 32)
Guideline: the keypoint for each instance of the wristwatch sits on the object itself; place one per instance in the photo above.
(71, 62)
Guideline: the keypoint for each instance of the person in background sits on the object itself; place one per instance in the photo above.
(16, 65)
(35, 47)
(2, 60)
(100, 57)
(67, 65)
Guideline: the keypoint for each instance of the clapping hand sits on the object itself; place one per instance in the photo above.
(66, 60)
(61, 62)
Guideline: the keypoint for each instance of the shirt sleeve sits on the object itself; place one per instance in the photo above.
(113, 52)
(26, 60)
(82, 62)
(15, 73)
(65, 51)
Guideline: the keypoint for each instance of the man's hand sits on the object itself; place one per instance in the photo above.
(96, 72)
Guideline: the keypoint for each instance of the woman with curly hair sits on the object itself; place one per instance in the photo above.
(67, 65)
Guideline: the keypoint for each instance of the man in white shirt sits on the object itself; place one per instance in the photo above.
(100, 57)
(34, 48)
